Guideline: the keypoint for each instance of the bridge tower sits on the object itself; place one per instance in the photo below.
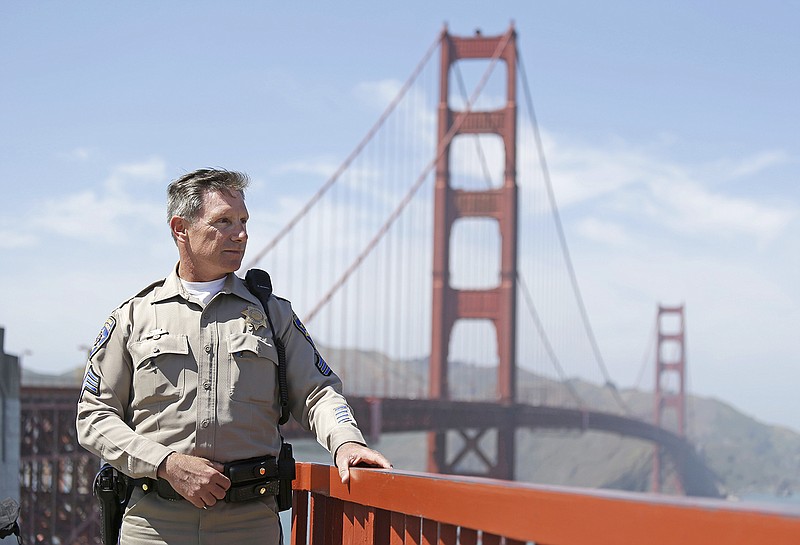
(670, 389)
(497, 304)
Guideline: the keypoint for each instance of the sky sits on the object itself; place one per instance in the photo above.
(670, 130)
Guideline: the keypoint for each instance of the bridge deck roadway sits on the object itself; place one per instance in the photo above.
(389, 415)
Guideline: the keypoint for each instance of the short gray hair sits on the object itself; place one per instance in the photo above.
(185, 195)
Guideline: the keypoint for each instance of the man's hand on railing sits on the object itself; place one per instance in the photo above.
(355, 454)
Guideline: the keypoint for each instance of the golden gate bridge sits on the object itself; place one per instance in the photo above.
(433, 270)
(438, 240)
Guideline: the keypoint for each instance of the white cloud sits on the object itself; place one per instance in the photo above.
(757, 163)
(737, 314)
(605, 232)
(582, 172)
(689, 208)
(635, 185)
(10, 239)
(417, 109)
(319, 166)
(378, 94)
(149, 171)
(152, 169)
(107, 213)
(79, 154)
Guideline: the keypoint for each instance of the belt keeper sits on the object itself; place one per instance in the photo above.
(251, 491)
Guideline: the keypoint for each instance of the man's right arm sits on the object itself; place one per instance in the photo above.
(104, 400)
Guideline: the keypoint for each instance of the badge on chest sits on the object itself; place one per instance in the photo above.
(254, 318)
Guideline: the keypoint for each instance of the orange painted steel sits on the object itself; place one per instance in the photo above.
(669, 401)
(497, 304)
(396, 507)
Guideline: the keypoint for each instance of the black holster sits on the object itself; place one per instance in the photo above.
(112, 491)
(9, 513)
(286, 474)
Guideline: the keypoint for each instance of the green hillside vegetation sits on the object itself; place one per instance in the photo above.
(748, 456)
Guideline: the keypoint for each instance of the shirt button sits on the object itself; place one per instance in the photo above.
(207, 385)
(208, 349)
(204, 424)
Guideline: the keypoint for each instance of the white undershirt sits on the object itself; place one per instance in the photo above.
(204, 290)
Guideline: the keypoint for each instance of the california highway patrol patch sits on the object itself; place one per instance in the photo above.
(103, 336)
(302, 329)
(320, 363)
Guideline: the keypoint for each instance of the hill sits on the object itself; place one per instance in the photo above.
(749, 457)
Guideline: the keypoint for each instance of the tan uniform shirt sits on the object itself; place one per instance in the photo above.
(170, 374)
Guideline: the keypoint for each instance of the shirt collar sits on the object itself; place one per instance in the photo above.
(173, 287)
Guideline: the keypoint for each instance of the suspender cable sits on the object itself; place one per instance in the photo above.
(414, 188)
(346, 164)
(648, 352)
(546, 342)
(563, 241)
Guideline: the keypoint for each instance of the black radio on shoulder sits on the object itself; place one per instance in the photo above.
(260, 284)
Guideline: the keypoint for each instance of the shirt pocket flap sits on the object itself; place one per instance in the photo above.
(238, 343)
(152, 348)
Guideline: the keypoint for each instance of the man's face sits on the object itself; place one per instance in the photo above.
(216, 240)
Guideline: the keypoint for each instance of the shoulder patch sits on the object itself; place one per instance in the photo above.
(321, 365)
(302, 329)
(103, 336)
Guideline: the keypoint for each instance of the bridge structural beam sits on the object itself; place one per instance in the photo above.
(670, 388)
(498, 304)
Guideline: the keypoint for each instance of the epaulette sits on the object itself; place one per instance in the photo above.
(144, 292)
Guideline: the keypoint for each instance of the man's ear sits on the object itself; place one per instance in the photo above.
(178, 227)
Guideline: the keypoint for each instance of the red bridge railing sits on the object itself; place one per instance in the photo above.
(395, 507)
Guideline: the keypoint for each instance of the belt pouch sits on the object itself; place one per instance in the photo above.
(242, 471)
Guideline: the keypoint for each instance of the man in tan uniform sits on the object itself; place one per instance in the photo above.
(182, 380)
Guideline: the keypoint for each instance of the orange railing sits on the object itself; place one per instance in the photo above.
(397, 507)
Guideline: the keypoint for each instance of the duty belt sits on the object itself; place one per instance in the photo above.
(250, 479)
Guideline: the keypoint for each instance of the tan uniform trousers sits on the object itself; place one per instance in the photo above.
(151, 520)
